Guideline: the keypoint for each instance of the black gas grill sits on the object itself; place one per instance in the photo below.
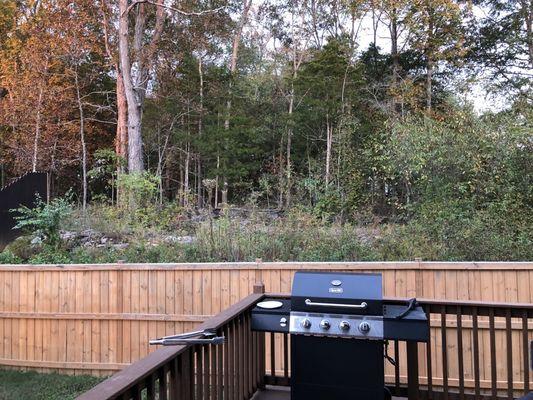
(339, 324)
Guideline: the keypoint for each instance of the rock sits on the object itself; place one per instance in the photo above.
(90, 233)
(171, 239)
(179, 239)
(187, 239)
(36, 241)
(68, 235)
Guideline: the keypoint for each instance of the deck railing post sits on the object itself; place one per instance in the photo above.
(412, 371)
(259, 286)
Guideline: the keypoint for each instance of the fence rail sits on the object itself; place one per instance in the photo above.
(97, 319)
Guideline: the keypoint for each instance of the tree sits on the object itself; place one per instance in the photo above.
(436, 31)
(502, 45)
(52, 77)
(322, 79)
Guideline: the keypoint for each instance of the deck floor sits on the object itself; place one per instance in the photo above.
(282, 393)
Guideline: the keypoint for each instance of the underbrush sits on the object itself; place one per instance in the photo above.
(442, 232)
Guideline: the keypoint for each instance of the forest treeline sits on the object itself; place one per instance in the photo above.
(354, 111)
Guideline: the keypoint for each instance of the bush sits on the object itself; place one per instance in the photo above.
(454, 232)
(21, 248)
(44, 220)
(7, 257)
(138, 189)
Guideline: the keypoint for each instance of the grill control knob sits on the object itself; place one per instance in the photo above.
(324, 324)
(364, 327)
(305, 323)
(344, 326)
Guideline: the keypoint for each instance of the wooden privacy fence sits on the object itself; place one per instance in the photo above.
(98, 318)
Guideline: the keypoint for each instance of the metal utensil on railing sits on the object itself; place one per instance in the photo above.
(206, 336)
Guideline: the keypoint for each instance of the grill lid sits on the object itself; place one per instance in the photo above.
(337, 292)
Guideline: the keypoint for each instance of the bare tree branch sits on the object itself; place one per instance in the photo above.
(177, 10)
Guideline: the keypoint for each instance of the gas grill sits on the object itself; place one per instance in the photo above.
(339, 325)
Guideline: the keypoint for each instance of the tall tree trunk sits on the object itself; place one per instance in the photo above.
(121, 138)
(329, 145)
(138, 62)
(186, 176)
(289, 144)
(199, 197)
(187, 158)
(37, 129)
(376, 17)
(135, 157)
(527, 10)
(145, 56)
(429, 60)
(429, 84)
(280, 173)
(296, 62)
(122, 119)
(216, 179)
(233, 68)
(82, 139)
(395, 58)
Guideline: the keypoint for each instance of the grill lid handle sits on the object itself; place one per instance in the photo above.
(361, 306)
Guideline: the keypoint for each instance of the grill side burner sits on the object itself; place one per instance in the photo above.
(338, 324)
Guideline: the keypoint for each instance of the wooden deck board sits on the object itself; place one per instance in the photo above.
(282, 393)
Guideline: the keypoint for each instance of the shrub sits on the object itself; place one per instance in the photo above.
(139, 189)
(7, 257)
(44, 219)
(22, 248)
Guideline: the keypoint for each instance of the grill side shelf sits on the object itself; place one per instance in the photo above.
(413, 327)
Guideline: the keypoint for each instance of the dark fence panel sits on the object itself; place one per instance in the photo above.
(19, 192)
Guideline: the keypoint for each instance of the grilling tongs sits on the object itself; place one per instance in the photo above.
(206, 336)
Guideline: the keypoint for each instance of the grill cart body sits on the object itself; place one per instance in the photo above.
(339, 323)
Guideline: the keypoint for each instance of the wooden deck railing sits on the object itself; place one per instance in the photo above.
(249, 360)
(230, 371)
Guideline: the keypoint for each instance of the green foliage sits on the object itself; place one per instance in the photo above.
(138, 189)
(452, 232)
(21, 248)
(467, 190)
(44, 220)
(329, 205)
(103, 174)
(7, 257)
(300, 237)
